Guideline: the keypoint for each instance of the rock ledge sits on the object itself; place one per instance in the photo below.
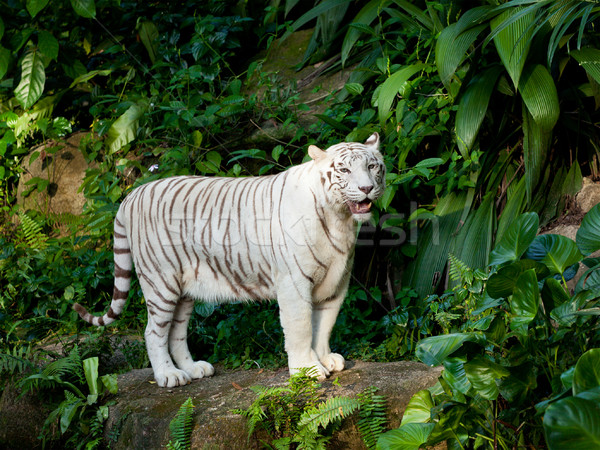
(140, 415)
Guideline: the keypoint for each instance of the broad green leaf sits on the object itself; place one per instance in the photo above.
(1, 28)
(365, 16)
(390, 87)
(474, 240)
(414, 11)
(48, 44)
(424, 274)
(335, 124)
(589, 59)
(4, 61)
(539, 94)
(472, 108)
(536, 145)
(408, 437)
(90, 369)
(33, 78)
(502, 283)
(85, 8)
(419, 408)
(211, 163)
(497, 330)
(35, 6)
(591, 394)
(524, 301)
(354, 88)
(451, 49)
(588, 235)
(455, 375)
(572, 423)
(557, 252)
(123, 130)
(434, 350)
(589, 281)
(313, 13)
(110, 382)
(430, 162)
(553, 294)
(566, 378)
(517, 387)
(566, 314)
(88, 76)
(587, 371)
(514, 206)
(483, 375)
(573, 181)
(513, 41)
(148, 35)
(68, 412)
(516, 239)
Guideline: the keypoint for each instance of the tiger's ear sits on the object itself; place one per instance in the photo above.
(373, 141)
(316, 153)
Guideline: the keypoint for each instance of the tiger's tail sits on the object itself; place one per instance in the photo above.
(123, 266)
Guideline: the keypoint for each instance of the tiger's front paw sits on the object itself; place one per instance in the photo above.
(199, 369)
(172, 377)
(333, 362)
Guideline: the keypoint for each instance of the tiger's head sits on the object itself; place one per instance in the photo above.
(352, 175)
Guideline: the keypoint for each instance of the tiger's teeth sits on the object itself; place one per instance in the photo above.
(369, 205)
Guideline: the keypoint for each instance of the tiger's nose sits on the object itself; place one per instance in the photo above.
(366, 189)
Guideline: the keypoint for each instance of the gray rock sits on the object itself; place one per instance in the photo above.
(64, 169)
(140, 417)
(21, 419)
(589, 196)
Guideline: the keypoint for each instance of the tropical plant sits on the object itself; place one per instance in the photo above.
(518, 344)
(71, 374)
(504, 94)
(181, 427)
(296, 417)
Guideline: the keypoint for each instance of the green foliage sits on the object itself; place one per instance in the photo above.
(372, 420)
(32, 234)
(480, 79)
(521, 344)
(485, 111)
(181, 427)
(296, 417)
(573, 421)
(16, 361)
(78, 414)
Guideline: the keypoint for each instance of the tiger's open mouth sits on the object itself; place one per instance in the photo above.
(362, 207)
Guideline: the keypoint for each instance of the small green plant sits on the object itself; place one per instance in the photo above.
(17, 361)
(372, 420)
(181, 427)
(296, 417)
(79, 412)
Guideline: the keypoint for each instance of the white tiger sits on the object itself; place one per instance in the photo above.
(288, 236)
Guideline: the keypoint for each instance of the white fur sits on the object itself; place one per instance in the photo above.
(289, 236)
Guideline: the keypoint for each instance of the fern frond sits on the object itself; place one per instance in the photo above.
(458, 270)
(70, 365)
(333, 410)
(181, 426)
(372, 420)
(52, 374)
(16, 361)
(32, 232)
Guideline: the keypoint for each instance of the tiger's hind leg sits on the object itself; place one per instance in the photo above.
(178, 342)
(160, 315)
